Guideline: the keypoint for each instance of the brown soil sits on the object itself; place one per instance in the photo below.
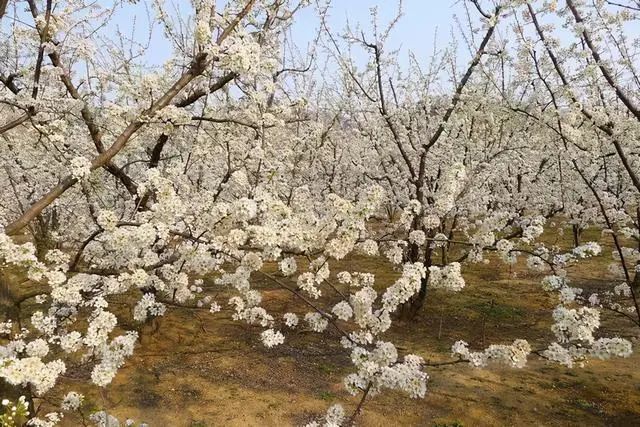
(199, 369)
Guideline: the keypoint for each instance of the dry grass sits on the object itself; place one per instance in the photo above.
(205, 370)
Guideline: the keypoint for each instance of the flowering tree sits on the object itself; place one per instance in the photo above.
(124, 180)
(446, 148)
(592, 119)
(496, 171)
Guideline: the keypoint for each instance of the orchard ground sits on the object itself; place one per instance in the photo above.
(200, 369)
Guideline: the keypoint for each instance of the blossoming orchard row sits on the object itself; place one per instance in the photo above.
(121, 177)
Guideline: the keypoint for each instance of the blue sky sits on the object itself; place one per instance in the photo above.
(414, 32)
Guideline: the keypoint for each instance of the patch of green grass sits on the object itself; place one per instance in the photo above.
(496, 311)
(324, 368)
(443, 346)
(587, 405)
(326, 395)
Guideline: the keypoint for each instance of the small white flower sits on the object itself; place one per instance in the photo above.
(271, 338)
(80, 167)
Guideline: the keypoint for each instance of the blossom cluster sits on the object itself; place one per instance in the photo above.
(514, 355)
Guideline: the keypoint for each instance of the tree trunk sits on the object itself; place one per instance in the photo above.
(411, 308)
(8, 307)
(577, 230)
